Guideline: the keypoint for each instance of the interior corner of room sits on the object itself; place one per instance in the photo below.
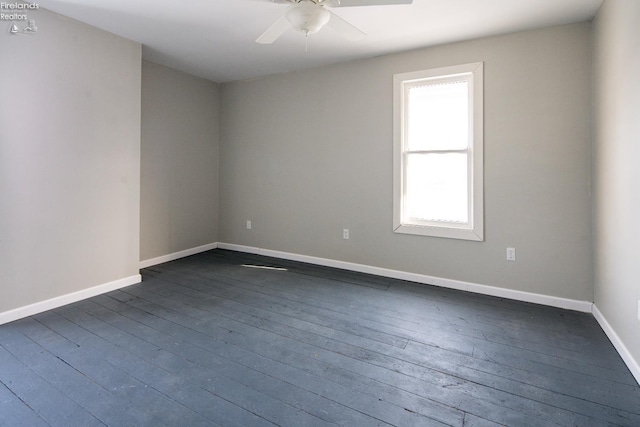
(123, 164)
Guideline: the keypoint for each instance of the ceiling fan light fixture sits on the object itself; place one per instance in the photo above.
(308, 17)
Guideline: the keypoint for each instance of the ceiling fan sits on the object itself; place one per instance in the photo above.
(309, 16)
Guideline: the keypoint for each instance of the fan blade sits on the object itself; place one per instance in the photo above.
(273, 32)
(352, 3)
(343, 27)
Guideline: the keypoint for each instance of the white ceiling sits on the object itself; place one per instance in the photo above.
(215, 39)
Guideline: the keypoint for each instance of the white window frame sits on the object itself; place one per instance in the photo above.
(474, 229)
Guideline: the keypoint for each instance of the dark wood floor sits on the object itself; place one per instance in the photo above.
(217, 339)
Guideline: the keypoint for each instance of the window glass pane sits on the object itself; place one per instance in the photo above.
(438, 116)
(437, 188)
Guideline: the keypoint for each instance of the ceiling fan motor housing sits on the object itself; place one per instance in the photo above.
(307, 17)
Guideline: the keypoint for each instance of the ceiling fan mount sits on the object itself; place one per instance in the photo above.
(309, 16)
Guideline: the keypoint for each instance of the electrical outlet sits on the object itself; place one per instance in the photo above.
(248, 225)
(345, 234)
(511, 254)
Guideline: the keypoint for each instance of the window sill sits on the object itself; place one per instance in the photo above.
(440, 231)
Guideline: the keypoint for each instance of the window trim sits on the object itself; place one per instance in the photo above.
(475, 228)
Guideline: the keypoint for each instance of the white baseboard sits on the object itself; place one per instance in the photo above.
(39, 307)
(570, 304)
(177, 255)
(624, 352)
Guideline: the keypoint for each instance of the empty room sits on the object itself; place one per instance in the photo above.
(320, 212)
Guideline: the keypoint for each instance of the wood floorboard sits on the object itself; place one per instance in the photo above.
(262, 405)
(312, 316)
(128, 389)
(359, 295)
(465, 370)
(279, 348)
(93, 397)
(234, 350)
(464, 339)
(249, 338)
(216, 339)
(545, 342)
(152, 376)
(273, 366)
(13, 408)
(607, 388)
(451, 300)
(250, 376)
(330, 347)
(47, 402)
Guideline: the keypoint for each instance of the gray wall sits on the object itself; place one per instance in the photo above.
(179, 170)
(616, 167)
(69, 160)
(306, 154)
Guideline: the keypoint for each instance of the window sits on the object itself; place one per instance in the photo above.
(438, 152)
